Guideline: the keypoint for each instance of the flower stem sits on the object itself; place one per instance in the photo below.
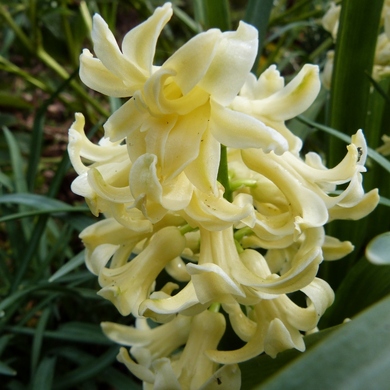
(215, 307)
(186, 229)
(223, 174)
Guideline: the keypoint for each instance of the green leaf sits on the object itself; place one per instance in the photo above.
(115, 378)
(5, 369)
(38, 338)
(34, 213)
(257, 14)
(16, 161)
(213, 13)
(33, 200)
(118, 380)
(354, 56)
(82, 332)
(355, 356)
(364, 285)
(43, 378)
(378, 249)
(88, 370)
(43, 204)
(68, 266)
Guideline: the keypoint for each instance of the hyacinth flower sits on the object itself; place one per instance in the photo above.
(154, 177)
(168, 105)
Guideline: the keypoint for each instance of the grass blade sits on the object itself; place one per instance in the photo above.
(213, 13)
(354, 56)
(38, 338)
(43, 379)
(87, 371)
(257, 14)
(69, 266)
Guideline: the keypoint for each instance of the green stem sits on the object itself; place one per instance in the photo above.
(241, 233)
(215, 307)
(223, 174)
(186, 229)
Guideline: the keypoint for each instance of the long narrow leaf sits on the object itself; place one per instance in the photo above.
(77, 332)
(43, 378)
(34, 213)
(367, 282)
(16, 161)
(38, 338)
(5, 369)
(355, 48)
(213, 13)
(88, 370)
(355, 356)
(69, 266)
(257, 14)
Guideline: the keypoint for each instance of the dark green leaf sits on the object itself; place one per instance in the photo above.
(87, 371)
(43, 378)
(69, 266)
(257, 14)
(5, 369)
(355, 356)
(366, 283)
(354, 56)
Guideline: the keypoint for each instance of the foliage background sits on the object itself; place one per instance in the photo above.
(49, 311)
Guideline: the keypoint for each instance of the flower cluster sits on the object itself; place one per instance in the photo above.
(381, 67)
(185, 246)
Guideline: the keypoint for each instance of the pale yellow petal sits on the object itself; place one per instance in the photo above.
(196, 54)
(125, 120)
(128, 286)
(238, 130)
(367, 204)
(165, 377)
(160, 341)
(139, 371)
(179, 303)
(194, 367)
(107, 191)
(212, 283)
(183, 142)
(279, 338)
(232, 62)
(108, 52)
(334, 249)
(203, 171)
(292, 100)
(163, 96)
(97, 77)
(306, 205)
(139, 43)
